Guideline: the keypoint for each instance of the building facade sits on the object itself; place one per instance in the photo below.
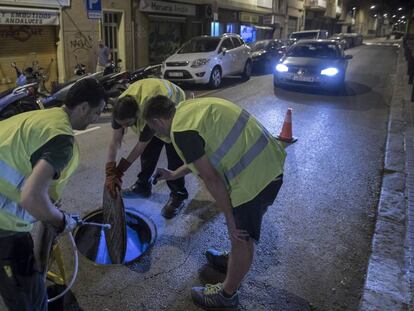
(295, 16)
(56, 35)
(324, 14)
(161, 26)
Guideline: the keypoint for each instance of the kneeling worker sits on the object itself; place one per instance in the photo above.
(127, 112)
(241, 165)
(38, 154)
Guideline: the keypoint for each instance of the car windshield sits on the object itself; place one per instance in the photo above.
(303, 35)
(317, 50)
(199, 45)
(259, 45)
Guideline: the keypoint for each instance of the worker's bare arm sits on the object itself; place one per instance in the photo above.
(35, 197)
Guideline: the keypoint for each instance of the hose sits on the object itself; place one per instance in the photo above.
(75, 270)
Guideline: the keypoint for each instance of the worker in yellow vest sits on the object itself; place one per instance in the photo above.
(241, 165)
(38, 154)
(127, 112)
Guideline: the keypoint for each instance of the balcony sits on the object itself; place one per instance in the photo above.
(316, 5)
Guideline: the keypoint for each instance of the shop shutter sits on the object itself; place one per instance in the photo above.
(25, 45)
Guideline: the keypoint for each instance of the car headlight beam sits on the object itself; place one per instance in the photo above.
(282, 68)
(330, 72)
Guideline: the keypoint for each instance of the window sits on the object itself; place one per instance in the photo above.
(227, 44)
(314, 50)
(215, 28)
(248, 33)
(237, 42)
(231, 27)
(199, 45)
(110, 30)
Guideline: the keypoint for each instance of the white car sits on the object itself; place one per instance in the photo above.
(207, 59)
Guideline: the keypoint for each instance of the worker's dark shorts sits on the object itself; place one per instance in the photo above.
(248, 216)
(21, 285)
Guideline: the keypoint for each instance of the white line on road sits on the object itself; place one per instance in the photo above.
(87, 130)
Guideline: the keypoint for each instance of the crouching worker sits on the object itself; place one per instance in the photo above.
(241, 165)
(127, 112)
(38, 154)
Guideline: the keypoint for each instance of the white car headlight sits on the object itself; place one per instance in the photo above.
(282, 68)
(200, 62)
(331, 71)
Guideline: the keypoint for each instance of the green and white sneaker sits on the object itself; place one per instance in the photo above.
(211, 297)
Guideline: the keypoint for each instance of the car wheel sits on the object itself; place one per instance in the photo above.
(215, 78)
(247, 72)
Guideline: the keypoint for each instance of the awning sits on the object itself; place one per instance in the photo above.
(28, 16)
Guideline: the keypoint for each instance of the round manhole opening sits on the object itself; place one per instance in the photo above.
(91, 242)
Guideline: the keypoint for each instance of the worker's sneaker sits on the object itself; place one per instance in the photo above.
(140, 188)
(172, 207)
(211, 297)
(218, 259)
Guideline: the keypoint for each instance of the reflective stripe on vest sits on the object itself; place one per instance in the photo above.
(177, 98)
(248, 157)
(11, 207)
(231, 139)
(11, 175)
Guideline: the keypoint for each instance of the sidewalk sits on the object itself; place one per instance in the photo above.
(390, 272)
(381, 41)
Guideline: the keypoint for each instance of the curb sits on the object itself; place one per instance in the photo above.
(388, 280)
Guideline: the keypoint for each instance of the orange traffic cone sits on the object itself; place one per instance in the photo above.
(286, 133)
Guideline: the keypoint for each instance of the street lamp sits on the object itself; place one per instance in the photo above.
(372, 7)
(400, 9)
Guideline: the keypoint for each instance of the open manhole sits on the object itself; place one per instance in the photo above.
(90, 240)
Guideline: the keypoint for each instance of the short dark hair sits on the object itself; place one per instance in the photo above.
(159, 106)
(85, 90)
(125, 108)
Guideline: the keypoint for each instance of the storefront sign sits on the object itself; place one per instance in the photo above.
(249, 18)
(51, 3)
(32, 17)
(166, 7)
(94, 9)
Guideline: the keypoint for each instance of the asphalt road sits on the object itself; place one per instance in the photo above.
(315, 238)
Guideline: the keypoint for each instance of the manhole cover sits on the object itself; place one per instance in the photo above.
(91, 242)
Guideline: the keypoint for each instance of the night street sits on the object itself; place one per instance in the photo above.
(316, 237)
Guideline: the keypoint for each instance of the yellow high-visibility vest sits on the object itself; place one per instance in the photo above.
(246, 156)
(20, 137)
(144, 89)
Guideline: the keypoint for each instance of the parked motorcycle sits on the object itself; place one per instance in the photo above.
(80, 69)
(18, 100)
(32, 74)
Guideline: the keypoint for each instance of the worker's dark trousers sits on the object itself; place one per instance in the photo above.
(21, 285)
(149, 160)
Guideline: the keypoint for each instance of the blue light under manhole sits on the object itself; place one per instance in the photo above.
(90, 240)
